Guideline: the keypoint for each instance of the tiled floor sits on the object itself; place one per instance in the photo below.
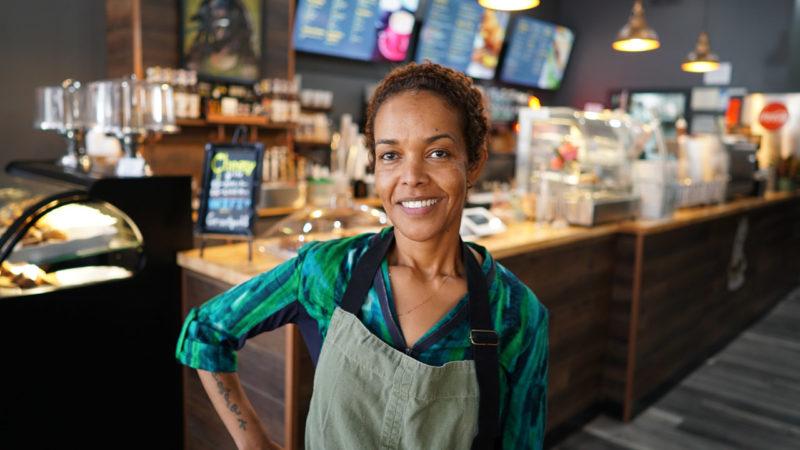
(745, 397)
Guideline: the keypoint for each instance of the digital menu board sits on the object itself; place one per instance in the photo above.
(464, 36)
(367, 30)
(537, 54)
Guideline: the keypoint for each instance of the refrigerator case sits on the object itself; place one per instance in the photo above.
(90, 308)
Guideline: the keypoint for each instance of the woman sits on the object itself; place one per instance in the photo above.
(419, 341)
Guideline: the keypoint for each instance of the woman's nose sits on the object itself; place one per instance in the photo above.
(414, 172)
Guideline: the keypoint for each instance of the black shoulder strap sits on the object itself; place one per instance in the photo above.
(365, 269)
(484, 351)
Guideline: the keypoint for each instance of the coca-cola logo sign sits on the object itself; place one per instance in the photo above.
(773, 116)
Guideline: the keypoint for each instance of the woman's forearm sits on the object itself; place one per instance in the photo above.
(230, 401)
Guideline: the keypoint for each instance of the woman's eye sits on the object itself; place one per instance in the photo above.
(388, 156)
(439, 154)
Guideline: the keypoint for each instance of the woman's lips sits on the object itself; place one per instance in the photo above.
(418, 207)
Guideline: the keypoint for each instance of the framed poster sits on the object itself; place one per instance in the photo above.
(231, 183)
(222, 38)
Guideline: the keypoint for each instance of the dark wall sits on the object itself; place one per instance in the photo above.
(752, 35)
(347, 78)
(41, 43)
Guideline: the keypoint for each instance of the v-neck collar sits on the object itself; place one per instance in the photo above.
(440, 329)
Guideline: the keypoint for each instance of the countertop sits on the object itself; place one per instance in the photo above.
(228, 263)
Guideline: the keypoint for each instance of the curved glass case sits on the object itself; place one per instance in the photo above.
(319, 224)
(54, 236)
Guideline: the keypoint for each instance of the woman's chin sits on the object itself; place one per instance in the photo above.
(421, 232)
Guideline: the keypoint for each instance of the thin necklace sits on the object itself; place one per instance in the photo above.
(429, 298)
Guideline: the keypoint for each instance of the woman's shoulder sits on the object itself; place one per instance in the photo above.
(345, 248)
(517, 302)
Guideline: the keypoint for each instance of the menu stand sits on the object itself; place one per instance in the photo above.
(232, 180)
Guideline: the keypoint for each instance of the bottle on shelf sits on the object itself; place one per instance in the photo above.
(192, 96)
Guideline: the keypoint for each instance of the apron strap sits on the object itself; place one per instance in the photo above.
(484, 342)
(365, 269)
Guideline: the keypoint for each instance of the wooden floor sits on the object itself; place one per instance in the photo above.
(745, 397)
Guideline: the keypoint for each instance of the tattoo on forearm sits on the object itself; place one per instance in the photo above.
(232, 407)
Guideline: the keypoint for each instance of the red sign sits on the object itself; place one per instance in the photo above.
(773, 116)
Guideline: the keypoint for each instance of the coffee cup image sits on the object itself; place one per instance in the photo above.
(394, 40)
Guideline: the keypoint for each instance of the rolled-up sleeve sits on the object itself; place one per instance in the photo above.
(212, 333)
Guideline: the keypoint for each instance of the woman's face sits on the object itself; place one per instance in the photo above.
(421, 165)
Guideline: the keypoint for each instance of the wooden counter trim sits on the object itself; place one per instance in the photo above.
(630, 370)
(226, 262)
(689, 216)
(528, 237)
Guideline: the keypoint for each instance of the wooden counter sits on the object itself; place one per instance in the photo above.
(685, 287)
(633, 306)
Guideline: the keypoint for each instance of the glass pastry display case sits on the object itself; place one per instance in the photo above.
(575, 167)
(320, 224)
(53, 238)
(89, 299)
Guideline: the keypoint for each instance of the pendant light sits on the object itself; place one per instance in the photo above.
(509, 5)
(701, 59)
(636, 35)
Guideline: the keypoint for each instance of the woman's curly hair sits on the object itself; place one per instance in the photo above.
(453, 87)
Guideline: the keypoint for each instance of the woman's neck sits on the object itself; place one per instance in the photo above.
(434, 257)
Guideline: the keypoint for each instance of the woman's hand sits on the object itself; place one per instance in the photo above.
(229, 399)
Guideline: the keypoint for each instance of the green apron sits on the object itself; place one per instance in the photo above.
(368, 395)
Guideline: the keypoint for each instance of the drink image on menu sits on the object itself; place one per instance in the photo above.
(221, 38)
(488, 43)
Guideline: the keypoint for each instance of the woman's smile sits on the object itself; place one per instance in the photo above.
(418, 206)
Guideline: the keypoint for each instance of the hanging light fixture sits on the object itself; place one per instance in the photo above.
(509, 5)
(701, 59)
(636, 35)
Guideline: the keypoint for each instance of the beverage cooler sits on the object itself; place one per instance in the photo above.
(90, 308)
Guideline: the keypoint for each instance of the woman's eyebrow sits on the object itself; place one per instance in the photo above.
(436, 137)
(428, 140)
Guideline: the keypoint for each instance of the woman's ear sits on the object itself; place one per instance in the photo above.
(474, 170)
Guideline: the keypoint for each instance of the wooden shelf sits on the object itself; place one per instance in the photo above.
(191, 122)
(218, 119)
(309, 143)
(316, 108)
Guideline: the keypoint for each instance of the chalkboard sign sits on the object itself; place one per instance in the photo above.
(231, 182)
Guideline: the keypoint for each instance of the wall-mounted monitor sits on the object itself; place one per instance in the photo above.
(366, 30)
(464, 36)
(537, 54)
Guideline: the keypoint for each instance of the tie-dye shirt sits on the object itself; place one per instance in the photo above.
(306, 289)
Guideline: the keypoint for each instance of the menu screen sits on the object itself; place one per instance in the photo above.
(537, 54)
(231, 181)
(367, 30)
(464, 36)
